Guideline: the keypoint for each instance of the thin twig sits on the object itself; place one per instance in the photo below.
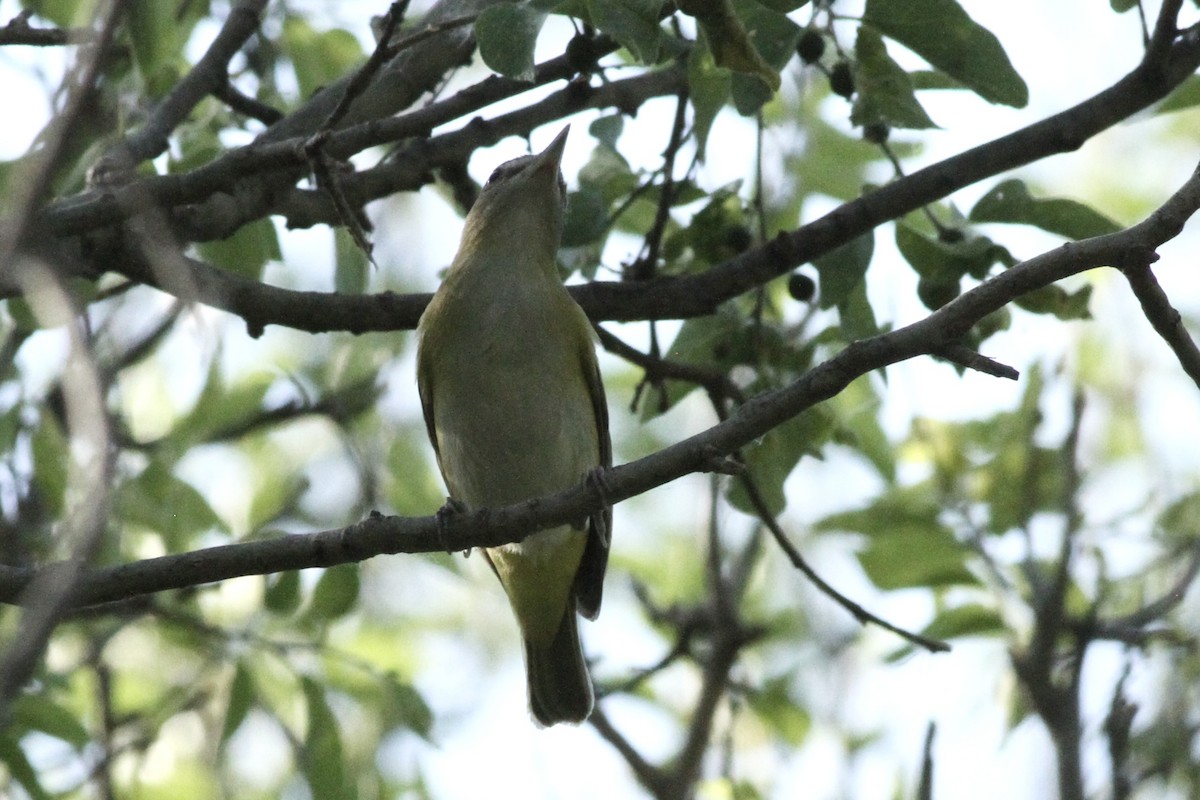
(1164, 318)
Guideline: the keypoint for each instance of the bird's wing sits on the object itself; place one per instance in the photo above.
(589, 580)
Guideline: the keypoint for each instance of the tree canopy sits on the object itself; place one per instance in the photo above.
(904, 409)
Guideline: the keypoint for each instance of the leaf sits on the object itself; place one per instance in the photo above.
(971, 619)
(774, 705)
(708, 92)
(37, 712)
(945, 262)
(241, 699)
(319, 58)
(941, 32)
(633, 23)
(586, 219)
(159, 501)
(856, 316)
(771, 459)
(1178, 520)
(336, 592)
(507, 35)
(50, 460)
(711, 341)
(13, 757)
(857, 410)
(1010, 201)
(405, 706)
(282, 595)
(221, 410)
(1059, 302)
(352, 265)
(1184, 96)
(607, 129)
(844, 268)
(907, 544)
(884, 92)
(321, 757)
(247, 251)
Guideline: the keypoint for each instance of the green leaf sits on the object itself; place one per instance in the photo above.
(710, 341)
(842, 269)
(282, 595)
(13, 757)
(586, 218)
(771, 459)
(160, 502)
(856, 316)
(608, 172)
(774, 705)
(221, 410)
(352, 265)
(321, 757)
(507, 35)
(336, 592)
(50, 460)
(1058, 301)
(1178, 520)
(37, 712)
(319, 58)
(607, 129)
(907, 544)
(247, 251)
(63, 13)
(857, 410)
(1010, 201)
(708, 92)
(941, 32)
(945, 262)
(971, 619)
(633, 23)
(1184, 96)
(884, 92)
(241, 699)
(405, 706)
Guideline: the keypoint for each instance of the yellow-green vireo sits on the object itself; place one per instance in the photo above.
(514, 406)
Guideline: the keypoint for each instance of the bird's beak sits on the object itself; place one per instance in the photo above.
(550, 158)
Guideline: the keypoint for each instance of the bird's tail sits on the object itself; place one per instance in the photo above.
(560, 689)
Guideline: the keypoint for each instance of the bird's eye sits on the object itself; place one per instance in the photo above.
(496, 175)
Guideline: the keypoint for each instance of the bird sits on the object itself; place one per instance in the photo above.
(515, 409)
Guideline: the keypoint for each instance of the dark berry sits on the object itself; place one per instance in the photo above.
(950, 235)
(841, 79)
(935, 294)
(581, 53)
(801, 287)
(811, 46)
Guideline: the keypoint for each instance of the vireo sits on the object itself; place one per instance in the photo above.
(514, 407)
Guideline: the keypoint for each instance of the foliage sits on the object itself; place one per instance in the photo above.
(185, 372)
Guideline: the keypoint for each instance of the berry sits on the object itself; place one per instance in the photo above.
(811, 46)
(935, 294)
(841, 79)
(801, 287)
